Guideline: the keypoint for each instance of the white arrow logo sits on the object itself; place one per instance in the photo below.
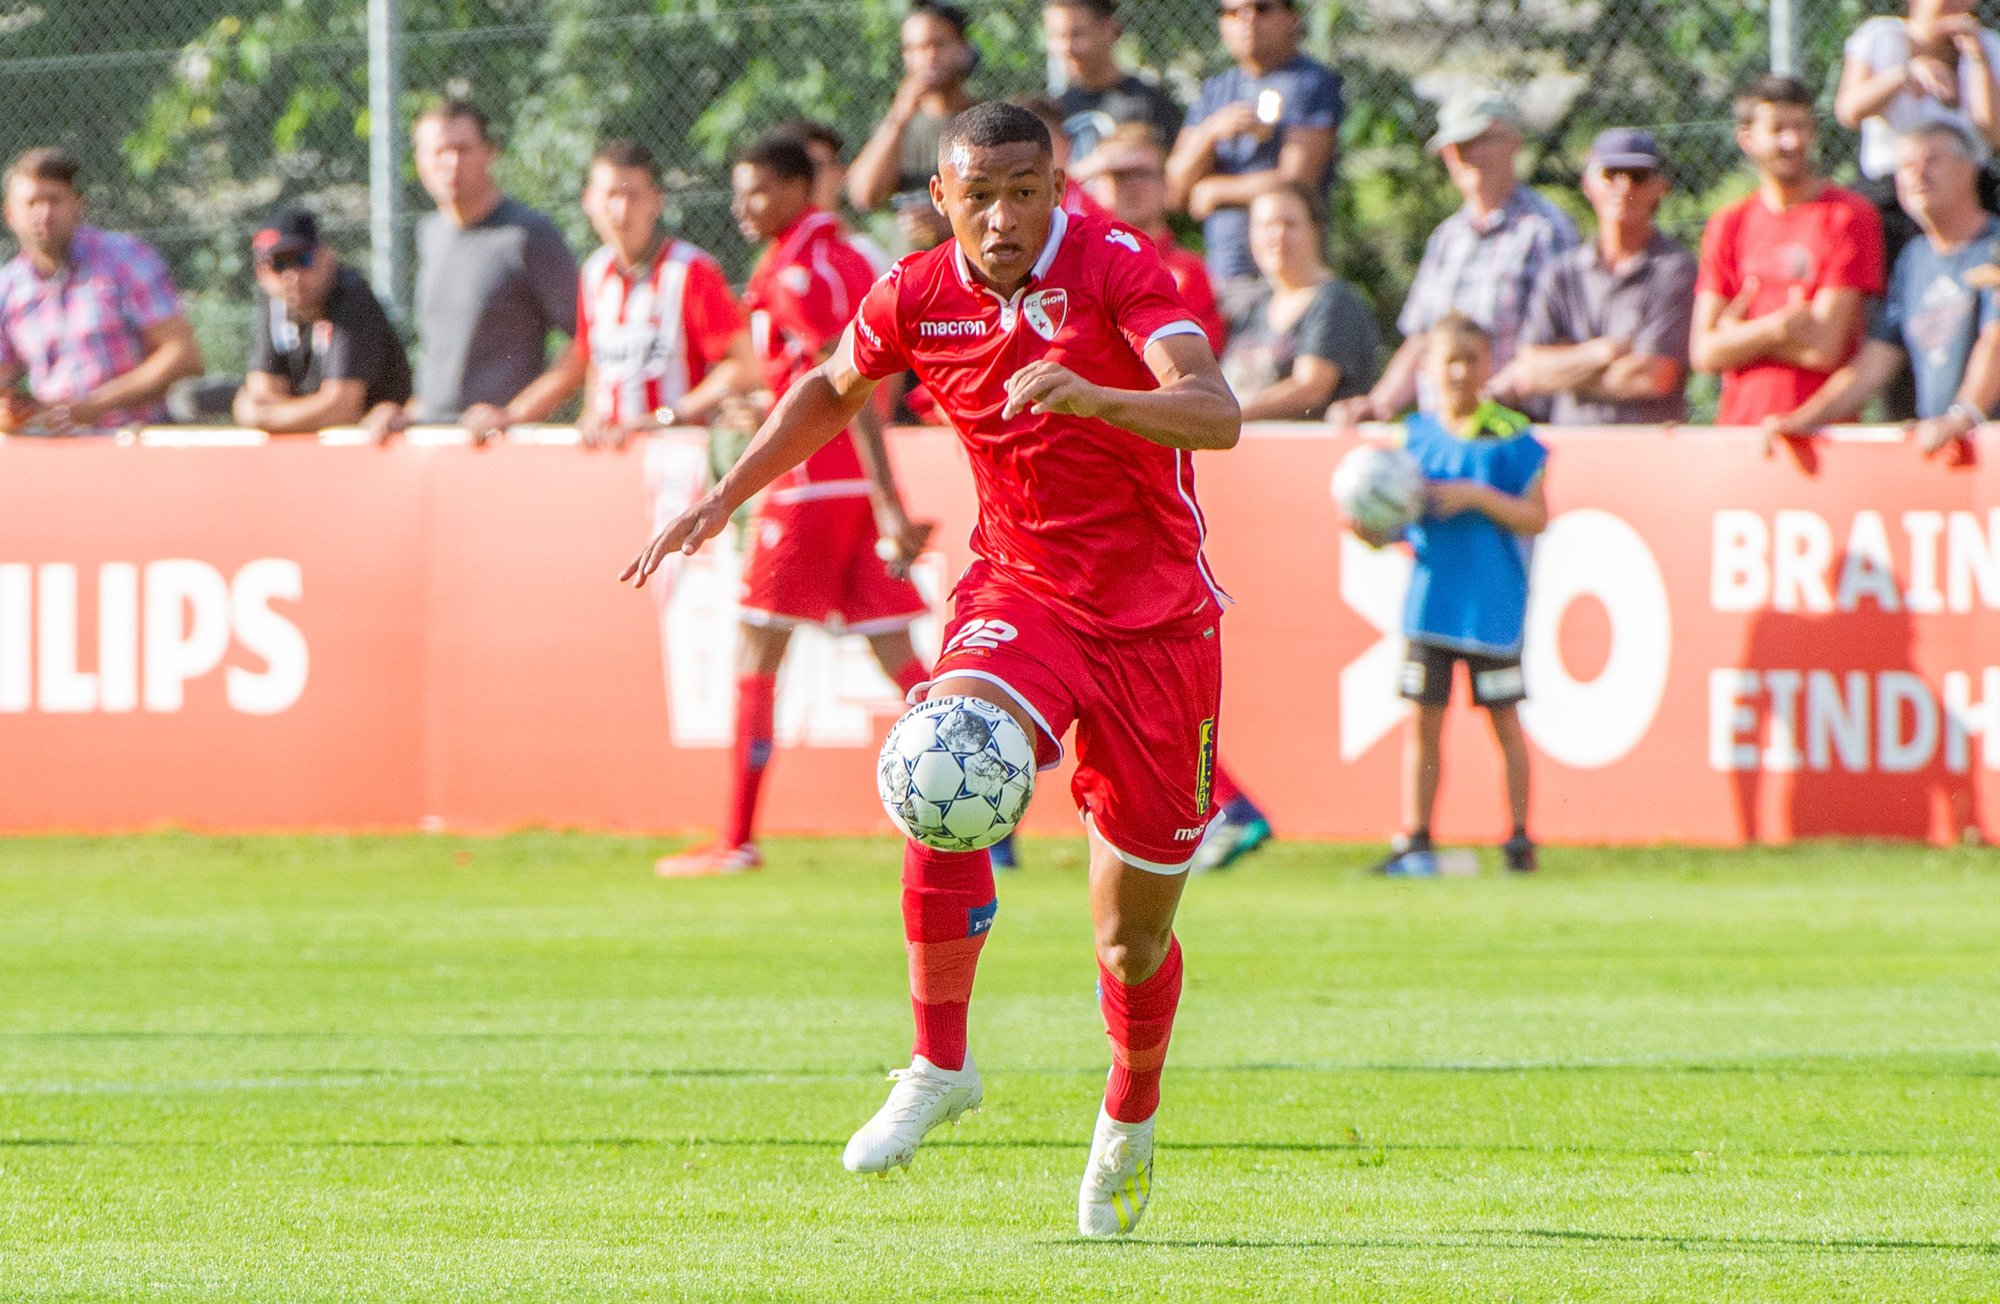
(1372, 583)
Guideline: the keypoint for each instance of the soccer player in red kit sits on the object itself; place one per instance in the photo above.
(816, 560)
(1079, 384)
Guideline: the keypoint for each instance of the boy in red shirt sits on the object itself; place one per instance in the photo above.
(1786, 273)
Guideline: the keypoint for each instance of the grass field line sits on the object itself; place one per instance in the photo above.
(1798, 1063)
(832, 1145)
(1541, 1238)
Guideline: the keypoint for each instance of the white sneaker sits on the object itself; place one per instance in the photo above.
(923, 1097)
(1119, 1179)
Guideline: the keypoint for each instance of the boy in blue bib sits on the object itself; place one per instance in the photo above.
(1468, 599)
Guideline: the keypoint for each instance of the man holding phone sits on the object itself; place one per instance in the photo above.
(1273, 118)
(894, 167)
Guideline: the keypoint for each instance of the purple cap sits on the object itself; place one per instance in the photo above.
(1625, 147)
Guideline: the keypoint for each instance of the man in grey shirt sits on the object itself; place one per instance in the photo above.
(494, 279)
(1606, 335)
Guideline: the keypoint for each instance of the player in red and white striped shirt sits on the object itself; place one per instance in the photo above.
(660, 340)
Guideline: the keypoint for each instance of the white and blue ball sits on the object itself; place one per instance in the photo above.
(1379, 489)
(956, 773)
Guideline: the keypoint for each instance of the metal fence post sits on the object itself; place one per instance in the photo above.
(385, 182)
(1785, 38)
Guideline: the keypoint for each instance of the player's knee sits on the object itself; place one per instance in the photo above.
(1130, 954)
(763, 648)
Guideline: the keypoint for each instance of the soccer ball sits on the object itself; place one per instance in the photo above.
(956, 773)
(1379, 489)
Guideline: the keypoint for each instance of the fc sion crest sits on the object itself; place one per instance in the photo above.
(1045, 310)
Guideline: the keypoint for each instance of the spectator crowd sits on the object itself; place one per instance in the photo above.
(1809, 300)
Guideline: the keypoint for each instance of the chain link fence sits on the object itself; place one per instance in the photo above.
(194, 118)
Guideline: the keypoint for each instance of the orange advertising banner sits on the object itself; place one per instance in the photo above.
(1723, 646)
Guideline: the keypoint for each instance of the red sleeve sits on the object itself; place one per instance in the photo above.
(836, 280)
(582, 318)
(709, 311)
(1191, 276)
(1140, 292)
(1718, 272)
(878, 336)
(1854, 257)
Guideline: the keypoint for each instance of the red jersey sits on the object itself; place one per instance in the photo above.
(1190, 275)
(801, 296)
(1076, 201)
(1831, 241)
(651, 339)
(1088, 518)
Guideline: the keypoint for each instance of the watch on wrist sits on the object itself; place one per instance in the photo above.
(664, 416)
(1966, 410)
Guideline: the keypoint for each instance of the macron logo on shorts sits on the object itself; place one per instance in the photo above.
(952, 328)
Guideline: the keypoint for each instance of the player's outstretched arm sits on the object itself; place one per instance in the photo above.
(1192, 408)
(811, 412)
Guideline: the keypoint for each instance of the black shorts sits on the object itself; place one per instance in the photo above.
(1429, 669)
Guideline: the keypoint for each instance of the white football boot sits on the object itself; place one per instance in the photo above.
(1119, 1179)
(923, 1097)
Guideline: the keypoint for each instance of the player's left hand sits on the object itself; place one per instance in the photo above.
(1042, 387)
(684, 534)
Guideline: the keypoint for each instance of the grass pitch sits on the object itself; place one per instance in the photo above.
(523, 1069)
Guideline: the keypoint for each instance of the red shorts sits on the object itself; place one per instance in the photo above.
(1145, 712)
(814, 563)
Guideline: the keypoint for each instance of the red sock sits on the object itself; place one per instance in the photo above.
(948, 906)
(913, 672)
(1139, 1020)
(1222, 788)
(756, 701)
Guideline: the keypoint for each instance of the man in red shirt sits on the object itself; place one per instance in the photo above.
(660, 340)
(1781, 298)
(1080, 385)
(816, 560)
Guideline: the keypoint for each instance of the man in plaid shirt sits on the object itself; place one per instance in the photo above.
(1482, 261)
(89, 316)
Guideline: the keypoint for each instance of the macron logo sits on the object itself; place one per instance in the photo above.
(958, 328)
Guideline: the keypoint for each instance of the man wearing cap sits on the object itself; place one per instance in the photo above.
(1483, 260)
(1935, 312)
(88, 316)
(322, 352)
(1607, 332)
(1273, 118)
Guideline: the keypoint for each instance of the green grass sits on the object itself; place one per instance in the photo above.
(523, 1069)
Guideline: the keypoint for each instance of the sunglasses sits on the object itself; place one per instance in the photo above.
(1255, 7)
(287, 259)
(1637, 176)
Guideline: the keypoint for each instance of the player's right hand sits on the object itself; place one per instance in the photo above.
(684, 534)
(901, 542)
